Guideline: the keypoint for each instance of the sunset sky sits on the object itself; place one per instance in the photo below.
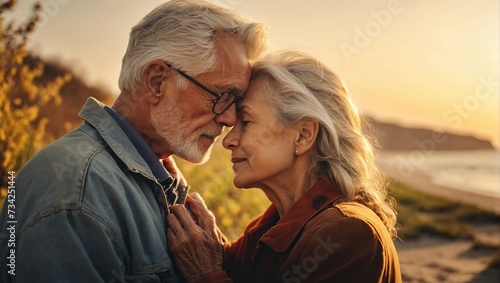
(414, 62)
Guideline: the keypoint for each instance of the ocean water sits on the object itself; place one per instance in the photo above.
(477, 171)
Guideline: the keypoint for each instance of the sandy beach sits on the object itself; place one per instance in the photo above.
(435, 259)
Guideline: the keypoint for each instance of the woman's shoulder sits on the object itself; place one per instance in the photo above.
(356, 242)
(344, 218)
(356, 210)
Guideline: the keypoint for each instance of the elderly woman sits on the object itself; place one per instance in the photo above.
(299, 138)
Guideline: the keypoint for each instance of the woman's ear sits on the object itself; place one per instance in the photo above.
(154, 78)
(307, 132)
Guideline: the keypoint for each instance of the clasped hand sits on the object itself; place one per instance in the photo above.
(194, 240)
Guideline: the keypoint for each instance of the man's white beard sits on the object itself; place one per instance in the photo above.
(171, 128)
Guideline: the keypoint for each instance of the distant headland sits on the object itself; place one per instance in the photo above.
(395, 137)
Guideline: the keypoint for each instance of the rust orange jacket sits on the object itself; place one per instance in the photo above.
(320, 239)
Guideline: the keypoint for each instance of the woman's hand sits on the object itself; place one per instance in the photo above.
(194, 239)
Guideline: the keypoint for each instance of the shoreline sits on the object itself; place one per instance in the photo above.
(439, 259)
(422, 182)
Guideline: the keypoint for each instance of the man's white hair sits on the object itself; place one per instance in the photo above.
(183, 33)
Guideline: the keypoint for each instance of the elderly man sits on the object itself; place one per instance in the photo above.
(91, 207)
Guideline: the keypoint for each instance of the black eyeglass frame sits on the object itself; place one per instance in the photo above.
(226, 97)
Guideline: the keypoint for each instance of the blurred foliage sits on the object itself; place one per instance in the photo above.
(419, 214)
(21, 96)
(233, 208)
(39, 100)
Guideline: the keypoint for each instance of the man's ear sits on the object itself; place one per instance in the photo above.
(307, 131)
(154, 79)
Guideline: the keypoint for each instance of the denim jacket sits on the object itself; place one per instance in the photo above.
(88, 209)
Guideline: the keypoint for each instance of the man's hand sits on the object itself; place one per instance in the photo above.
(194, 239)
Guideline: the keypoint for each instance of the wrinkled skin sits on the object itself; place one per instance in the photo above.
(194, 239)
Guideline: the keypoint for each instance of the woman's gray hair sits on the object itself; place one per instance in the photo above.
(183, 33)
(299, 86)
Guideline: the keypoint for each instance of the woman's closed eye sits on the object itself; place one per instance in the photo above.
(244, 122)
(244, 118)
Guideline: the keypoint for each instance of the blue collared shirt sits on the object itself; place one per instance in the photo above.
(169, 184)
(142, 147)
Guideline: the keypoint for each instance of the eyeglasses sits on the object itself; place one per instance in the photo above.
(223, 100)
